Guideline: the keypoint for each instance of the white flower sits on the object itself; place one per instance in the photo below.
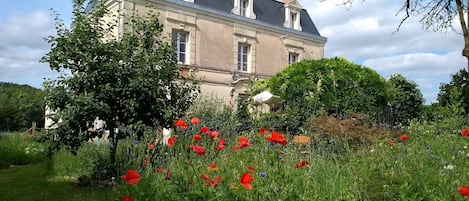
(449, 167)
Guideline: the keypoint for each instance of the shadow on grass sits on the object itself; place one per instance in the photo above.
(33, 183)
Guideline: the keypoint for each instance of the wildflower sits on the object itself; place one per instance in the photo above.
(262, 131)
(277, 138)
(132, 177)
(465, 132)
(199, 150)
(212, 167)
(180, 124)
(214, 134)
(127, 198)
(146, 161)
(427, 148)
(243, 142)
(404, 138)
(136, 142)
(449, 167)
(151, 146)
(216, 181)
(168, 175)
(196, 138)
(262, 174)
(464, 191)
(220, 147)
(171, 141)
(195, 121)
(246, 180)
(160, 170)
(251, 170)
(391, 143)
(205, 177)
(204, 130)
(302, 164)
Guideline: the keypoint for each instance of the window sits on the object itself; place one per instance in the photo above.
(293, 17)
(180, 45)
(243, 8)
(292, 58)
(243, 53)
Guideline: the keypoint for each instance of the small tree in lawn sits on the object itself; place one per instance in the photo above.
(130, 81)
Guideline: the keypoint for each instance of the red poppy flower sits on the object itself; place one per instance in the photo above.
(180, 124)
(221, 142)
(151, 146)
(277, 138)
(205, 177)
(127, 198)
(212, 167)
(243, 142)
(251, 170)
(160, 170)
(246, 180)
(216, 181)
(214, 134)
(220, 147)
(199, 150)
(262, 131)
(146, 161)
(404, 138)
(204, 130)
(195, 121)
(171, 141)
(196, 138)
(132, 177)
(465, 132)
(302, 164)
(464, 191)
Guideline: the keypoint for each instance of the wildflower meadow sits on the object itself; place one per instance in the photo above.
(200, 163)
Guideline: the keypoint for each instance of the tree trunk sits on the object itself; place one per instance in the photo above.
(112, 150)
(463, 22)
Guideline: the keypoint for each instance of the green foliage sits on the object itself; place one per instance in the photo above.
(406, 99)
(333, 85)
(20, 105)
(20, 149)
(133, 81)
(460, 83)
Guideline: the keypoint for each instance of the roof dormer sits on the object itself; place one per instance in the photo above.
(244, 8)
(292, 14)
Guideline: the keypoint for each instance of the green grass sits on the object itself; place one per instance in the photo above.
(34, 183)
(27, 174)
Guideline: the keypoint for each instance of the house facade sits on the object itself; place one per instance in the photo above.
(227, 43)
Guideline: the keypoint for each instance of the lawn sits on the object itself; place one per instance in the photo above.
(28, 175)
(33, 182)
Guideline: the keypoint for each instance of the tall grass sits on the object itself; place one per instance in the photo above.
(19, 149)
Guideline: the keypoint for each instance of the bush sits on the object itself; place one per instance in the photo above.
(332, 135)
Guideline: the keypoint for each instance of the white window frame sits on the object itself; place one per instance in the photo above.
(243, 7)
(243, 64)
(182, 54)
(293, 57)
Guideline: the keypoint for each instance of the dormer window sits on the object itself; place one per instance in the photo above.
(244, 8)
(292, 15)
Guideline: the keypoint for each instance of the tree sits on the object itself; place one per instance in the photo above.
(437, 15)
(458, 87)
(335, 86)
(406, 100)
(131, 81)
(20, 105)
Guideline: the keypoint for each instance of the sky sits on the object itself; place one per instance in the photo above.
(363, 34)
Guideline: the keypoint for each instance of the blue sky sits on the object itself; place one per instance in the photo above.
(362, 34)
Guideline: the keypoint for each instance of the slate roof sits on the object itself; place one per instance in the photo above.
(268, 11)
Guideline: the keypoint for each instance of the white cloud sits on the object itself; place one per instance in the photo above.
(365, 33)
(22, 46)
